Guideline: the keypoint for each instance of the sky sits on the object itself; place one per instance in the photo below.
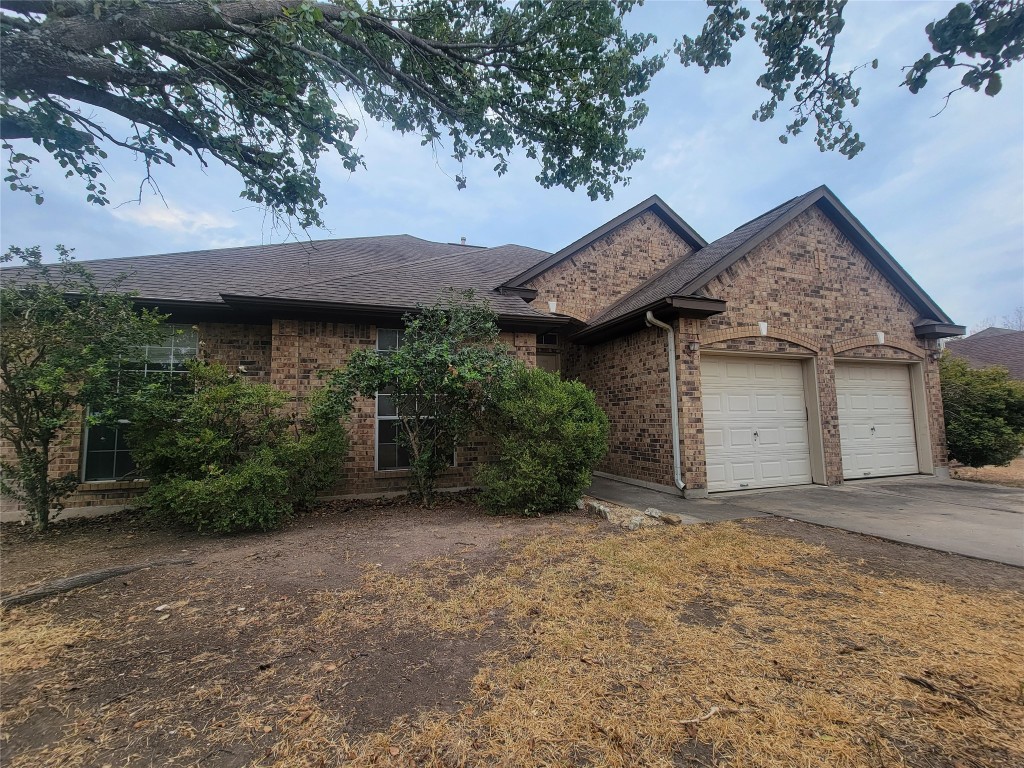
(943, 193)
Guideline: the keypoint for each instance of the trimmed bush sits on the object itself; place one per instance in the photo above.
(550, 435)
(222, 456)
(984, 411)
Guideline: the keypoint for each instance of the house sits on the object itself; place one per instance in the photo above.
(992, 346)
(793, 350)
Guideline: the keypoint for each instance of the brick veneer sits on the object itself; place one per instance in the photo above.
(819, 296)
(628, 378)
(592, 279)
(289, 354)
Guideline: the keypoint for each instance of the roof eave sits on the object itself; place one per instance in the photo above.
(527, 294)
(341, 310)
(934, 329)
(669, 307)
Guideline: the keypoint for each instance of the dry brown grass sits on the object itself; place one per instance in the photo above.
(1012, 474)
(613, 647)
(29, 639)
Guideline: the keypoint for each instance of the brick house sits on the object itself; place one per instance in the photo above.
(793, 350)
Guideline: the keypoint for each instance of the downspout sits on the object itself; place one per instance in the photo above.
(673, 395)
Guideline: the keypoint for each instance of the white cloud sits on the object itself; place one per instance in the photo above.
(172, 218)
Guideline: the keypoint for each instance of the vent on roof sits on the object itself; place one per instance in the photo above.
(462, 241)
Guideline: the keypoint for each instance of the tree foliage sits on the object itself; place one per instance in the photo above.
(221, 454)
(268, 87)
(984, 412)
(437, 381)
(65, 346)
(261, 86)
(549, 435)
(798, 41)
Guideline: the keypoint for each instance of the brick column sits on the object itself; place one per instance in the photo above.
(691, 409)
(936, 419)
(826, 369)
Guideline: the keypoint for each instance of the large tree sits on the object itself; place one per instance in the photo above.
(268, 86)
(260, 85)
(798, 40)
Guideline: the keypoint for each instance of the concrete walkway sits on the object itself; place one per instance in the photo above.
(974, 519)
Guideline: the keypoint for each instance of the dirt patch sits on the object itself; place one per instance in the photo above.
(1011, 475)
(389, 635)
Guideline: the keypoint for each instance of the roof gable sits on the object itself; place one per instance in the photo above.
(653, 204)
(690, 276)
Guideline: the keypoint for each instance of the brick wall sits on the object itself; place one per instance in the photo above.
(594, 278)
(819, 296)
(238, 345)
(289, 354)
(628, 378)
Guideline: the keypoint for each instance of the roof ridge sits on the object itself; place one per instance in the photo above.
(233, 248)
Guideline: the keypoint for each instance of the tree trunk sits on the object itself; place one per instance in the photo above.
(40, 503)
(41, 513)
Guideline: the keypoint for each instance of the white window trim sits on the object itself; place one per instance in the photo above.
(174, 328)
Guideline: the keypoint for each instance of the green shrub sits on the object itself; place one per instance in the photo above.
(550, 434)
(221, 455)
(437, 380)
(984, 411)
(251, 495)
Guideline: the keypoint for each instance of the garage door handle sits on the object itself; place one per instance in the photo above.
(755, 433)
(872, 429)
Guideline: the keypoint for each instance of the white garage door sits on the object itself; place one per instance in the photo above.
(876, 420)
(755, 423)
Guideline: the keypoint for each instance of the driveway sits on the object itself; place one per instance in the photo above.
(971, 519)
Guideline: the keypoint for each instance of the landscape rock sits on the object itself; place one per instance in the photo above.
(598, 509)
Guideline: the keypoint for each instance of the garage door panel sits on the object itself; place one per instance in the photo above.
(876, 420)
(738, 405)
(738, 437)
(744, 395)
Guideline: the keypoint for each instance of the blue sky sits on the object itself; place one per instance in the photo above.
(944, 194)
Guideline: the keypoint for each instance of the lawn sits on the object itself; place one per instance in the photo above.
(388, 635)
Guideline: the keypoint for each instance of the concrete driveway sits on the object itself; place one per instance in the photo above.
(974, 519)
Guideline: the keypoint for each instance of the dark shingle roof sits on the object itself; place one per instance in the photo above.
(676, 278)
(984, 349)
(391, 272)
(690, 275)
(992, 331)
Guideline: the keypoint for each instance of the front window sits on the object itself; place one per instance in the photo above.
(107, 456)
(390, 455)
(549, 356)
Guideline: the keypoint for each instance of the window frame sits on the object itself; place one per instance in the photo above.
(377, 418)
(177, 331)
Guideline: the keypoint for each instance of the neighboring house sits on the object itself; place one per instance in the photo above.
(803, 353)
(992, 346)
